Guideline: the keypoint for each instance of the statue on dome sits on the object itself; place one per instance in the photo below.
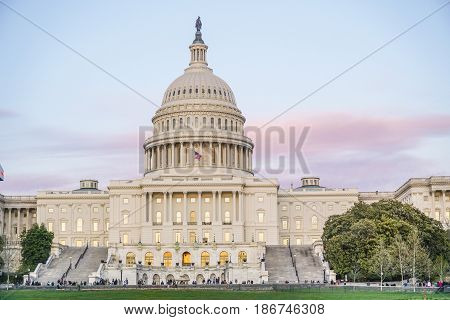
(198, 24)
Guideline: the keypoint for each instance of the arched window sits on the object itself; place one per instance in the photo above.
(204, 121)
(181, 122)
(79, 225)
(186, 259)
(212, 122)
(231, 126)
(204, 259)
(219, 123)
(207, 217)
(158, 217)
(242, 256)
(227, 217)
(131, 259)
(174, 123)
(148, 259)
(192, 218)
(178, 217)
(167, 259)
(226, 124)
(196, 122)
(223, 258)
(188, 122)
(314, 223)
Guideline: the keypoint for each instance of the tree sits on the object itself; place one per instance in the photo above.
(350, 239)
(36, 245)
(381, 262)
(1, 250)
(442, 267)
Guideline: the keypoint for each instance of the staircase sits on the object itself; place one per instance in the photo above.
(88, 264)
(309, 266)
(54, 271)
(279, 265)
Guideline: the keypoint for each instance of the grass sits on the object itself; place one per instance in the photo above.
(212, 294)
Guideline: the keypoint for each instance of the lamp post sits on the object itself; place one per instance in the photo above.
(120, 268)
(70, 262)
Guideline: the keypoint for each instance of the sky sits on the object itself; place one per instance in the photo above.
(382, 122)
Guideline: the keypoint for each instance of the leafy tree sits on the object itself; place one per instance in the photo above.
(351, 239)
(36, 245)
(381, 262)
(1, 250)
(441, 267)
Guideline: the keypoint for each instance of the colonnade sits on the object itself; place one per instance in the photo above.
(19, 218)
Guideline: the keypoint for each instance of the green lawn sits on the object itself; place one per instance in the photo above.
(186, 294)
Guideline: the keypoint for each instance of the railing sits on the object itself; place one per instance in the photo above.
(81, 256)
(64, 275)
(294, 264)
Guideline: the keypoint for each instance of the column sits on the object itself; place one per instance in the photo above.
(199, 216)
(170, 214)
(28, 219)
(9, 223)
(185, 208)
(220, 162)
(19, 230)
(228, 158)
(236, 165)
(173, 154)
(211, 152)
(165, 207)
(216, 216)
(433, 209)
(158, 157)
(234, 218)
(241, 207)
(149, 206)
(191, 154)
(443, 211)
(200, 162)
(220, 206)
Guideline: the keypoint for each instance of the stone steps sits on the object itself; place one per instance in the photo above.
(308, 264)
(59, 265)
(88, 264)
(279, 265)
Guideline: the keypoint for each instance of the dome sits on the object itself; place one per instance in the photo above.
(198, 83)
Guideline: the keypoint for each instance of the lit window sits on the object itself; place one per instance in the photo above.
(314, 223)
(107, 225)
(79, 225)
(157, 237)
(50, 226)
(299, 241)
(95, 226)
(158, 200)
(283, 208)
(207, 217)
(447, 214)
(227, 199)
(261, 236)
(62, 242)
(298, 224)
(192, 217)
(51, 210)
(260, 217)
(178, 237)
(125, 239)
(158, 217)
(125, 219)
(427, 212)
(192, 237)
(284, 224)
(297, 207)
(227, 217)
(148, 261)
(63, 226)
(226, 237)
(178, 217)
(204, 259)
(63, 210)
(130, 259)
(192, 200)
(178, 200)
(437, 214)
(107, 209)
(167, 259)
(207, 200)
(125, 200)
(95, 209)
(260, 199)
(206, 237)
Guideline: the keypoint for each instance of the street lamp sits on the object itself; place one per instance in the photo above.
(70, 263)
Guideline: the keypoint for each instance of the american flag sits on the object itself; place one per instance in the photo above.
(2, 174)
(197, 156)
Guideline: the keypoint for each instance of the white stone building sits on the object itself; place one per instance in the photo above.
(198, 212)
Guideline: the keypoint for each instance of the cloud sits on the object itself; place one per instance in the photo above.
(7, 114)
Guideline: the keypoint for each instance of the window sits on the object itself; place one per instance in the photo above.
(297, 207)
(299, 241)
(157, 237)
(125, 219)
(314, 223)
(50, 226)
(107, 225)
(63, 226)
(192, 217)
(204, 259)
(261, 236)
(178, 217)
(125, 238)
(227, 217)
(284, 224)
(207, 200)
(437, 215)
(223, 258)
(285, 241)
(206, 237)
(95, 209)
(192, 237)
(436, 197)
(125, 200)
(212, 122)
(427, 212)
(95, 226)
(107, 209)
(261, 217)
(226, 199)
(148, 260)
(158, 217)
(62, 242)
(78, 243)
(178, 237)
(298, 224)
(447, 214)
(192, 200)
(178, 200)
(226, 237)
(425, 198)
(63, 210)
(242, 256)
(207, 217)
(79, 225)
(51, 210)
(158, 200)
(260, 199)
(330, 207)
(283, 208)
(131, 259)
(95, 243)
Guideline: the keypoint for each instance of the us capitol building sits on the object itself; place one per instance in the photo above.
(198, 213)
